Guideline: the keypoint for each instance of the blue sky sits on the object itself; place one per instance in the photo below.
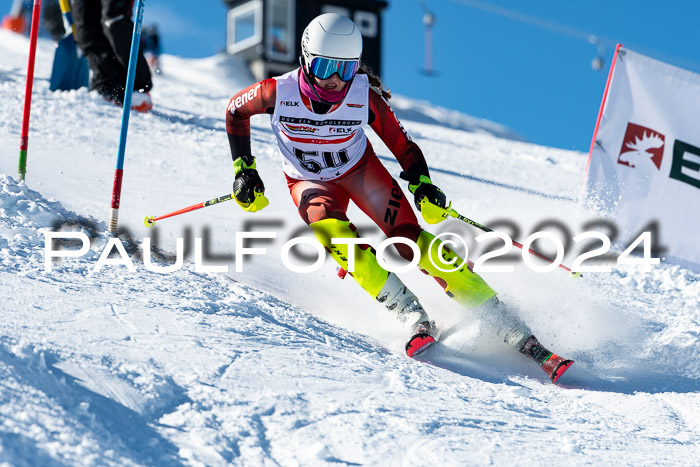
(526, 64)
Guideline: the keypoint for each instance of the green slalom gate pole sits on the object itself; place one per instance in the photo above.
(150, 220)
(24, 137)
(131, 73)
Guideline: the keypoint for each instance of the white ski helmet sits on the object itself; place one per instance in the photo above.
(331, 36)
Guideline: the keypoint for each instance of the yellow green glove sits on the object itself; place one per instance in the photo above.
(248, 187)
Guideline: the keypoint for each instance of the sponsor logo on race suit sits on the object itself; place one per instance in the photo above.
(243, 99)
(300, 129)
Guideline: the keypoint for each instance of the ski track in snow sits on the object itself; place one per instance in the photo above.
(191, 368)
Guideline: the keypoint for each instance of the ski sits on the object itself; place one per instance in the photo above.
(555, 366)
(425, 334)
(551, 363)
(418, 343)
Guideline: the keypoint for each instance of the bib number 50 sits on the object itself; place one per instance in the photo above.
(315, 161)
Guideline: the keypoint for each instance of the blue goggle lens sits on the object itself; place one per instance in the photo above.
(324, 68)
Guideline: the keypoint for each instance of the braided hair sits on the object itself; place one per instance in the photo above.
(374, 81)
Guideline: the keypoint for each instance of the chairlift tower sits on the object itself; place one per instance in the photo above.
(428, 22)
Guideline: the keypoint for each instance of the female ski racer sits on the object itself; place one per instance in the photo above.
(318, 112)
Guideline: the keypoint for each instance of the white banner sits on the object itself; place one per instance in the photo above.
(644, 165)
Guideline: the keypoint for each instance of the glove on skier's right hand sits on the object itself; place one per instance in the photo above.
(247, 181)
(248, 187)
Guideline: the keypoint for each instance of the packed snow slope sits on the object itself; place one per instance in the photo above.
(112, 366)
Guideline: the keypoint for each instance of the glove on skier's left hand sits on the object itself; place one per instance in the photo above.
(423, 187)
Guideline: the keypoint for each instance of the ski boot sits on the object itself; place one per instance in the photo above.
(401, 301)
(552, 364)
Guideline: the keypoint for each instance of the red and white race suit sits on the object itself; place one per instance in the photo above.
(333, 150)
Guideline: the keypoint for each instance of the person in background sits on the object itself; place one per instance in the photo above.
(150, 45)
(104, 31)
(14, 20)
(19, 18)
(317, 113)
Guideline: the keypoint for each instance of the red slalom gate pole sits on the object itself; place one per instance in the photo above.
(24, 137)
(150, 220)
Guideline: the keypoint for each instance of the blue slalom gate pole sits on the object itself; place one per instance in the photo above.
(131, 73)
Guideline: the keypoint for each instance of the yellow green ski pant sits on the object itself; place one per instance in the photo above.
(463, 285)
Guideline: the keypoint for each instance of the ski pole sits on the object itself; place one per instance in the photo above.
(457, 215)
(131, 73)
(24, 138)
(150, 220)
(434, 214)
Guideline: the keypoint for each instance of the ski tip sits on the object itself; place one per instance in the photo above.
(418, 344)
(560, 369)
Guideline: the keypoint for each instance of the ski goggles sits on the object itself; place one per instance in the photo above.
(324, 68)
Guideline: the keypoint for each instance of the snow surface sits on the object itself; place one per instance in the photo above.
(269, 367)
